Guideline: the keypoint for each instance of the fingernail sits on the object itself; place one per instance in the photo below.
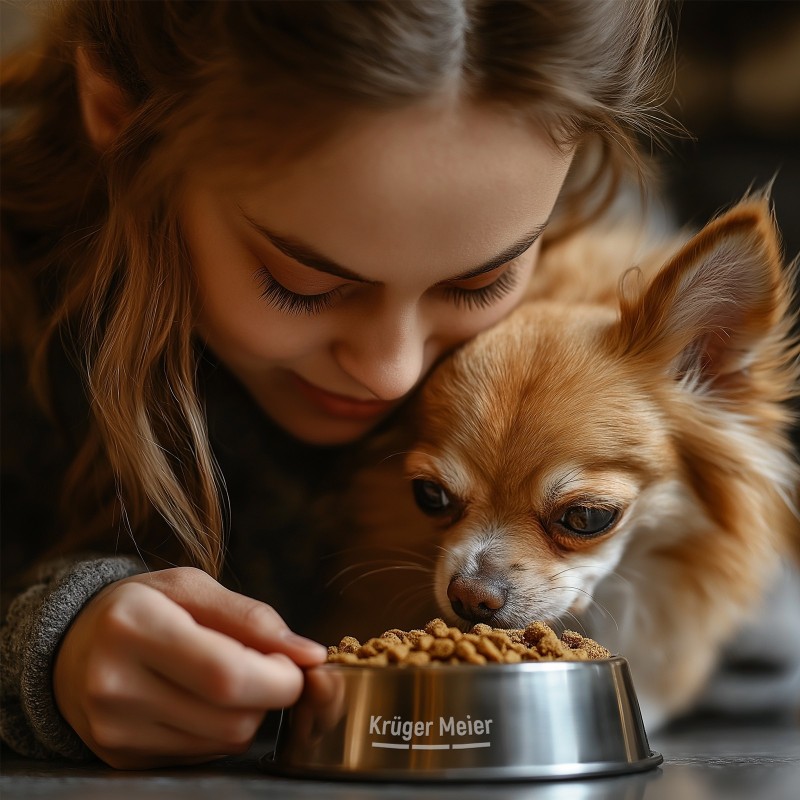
(294, 639)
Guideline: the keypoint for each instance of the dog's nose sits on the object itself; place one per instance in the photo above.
(476, 599)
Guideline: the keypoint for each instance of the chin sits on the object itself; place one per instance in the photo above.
(326, 432)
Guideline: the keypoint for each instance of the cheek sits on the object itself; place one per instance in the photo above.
(255, 333)
(234, 319)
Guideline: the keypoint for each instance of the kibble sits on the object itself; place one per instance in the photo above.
(439, 643)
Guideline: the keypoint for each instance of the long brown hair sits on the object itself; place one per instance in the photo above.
(201, 77)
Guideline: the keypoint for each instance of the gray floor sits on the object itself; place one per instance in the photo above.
(703, 760)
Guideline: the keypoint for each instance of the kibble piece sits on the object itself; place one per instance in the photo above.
(486, 647)
(500, 639)
(454, 633)
(517, 636)
(437, 627)
(531, 655)
(550, 645)
(418, 658)
(401, 635)
(439, 644)
(398, 653)
(535, 631)
(466, 652)
(442, 648)
(345, 658)
(572, 639)
(594, 650)
(465, 649)
(349, 644)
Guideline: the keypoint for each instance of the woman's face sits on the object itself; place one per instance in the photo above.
(330, 287)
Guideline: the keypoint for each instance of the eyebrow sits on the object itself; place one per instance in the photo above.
(307, 255)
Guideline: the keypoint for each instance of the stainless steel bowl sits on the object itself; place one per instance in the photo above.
(462, 722)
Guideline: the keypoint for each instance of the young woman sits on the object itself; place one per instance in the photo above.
(235, 237)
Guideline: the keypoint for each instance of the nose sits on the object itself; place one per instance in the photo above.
(476, 599)
(388, 358)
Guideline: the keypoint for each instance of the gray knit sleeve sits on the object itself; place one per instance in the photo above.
(35, 625)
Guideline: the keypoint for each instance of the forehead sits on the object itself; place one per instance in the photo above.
(437, 187)
(540, 394)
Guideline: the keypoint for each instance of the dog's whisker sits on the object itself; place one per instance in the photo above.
(581, 629)
(623, 579)
(369, 573)
(385, 550)
(595, 602)
(403, 453)
(422, 557)
(569, 569)
(411, 597)
(385, 562)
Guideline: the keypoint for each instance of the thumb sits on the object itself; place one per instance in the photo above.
(251, 622)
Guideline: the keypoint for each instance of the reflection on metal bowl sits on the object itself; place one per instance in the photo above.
(539, 720)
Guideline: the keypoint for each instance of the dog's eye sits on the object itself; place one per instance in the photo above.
(586, 520)
(432, 498)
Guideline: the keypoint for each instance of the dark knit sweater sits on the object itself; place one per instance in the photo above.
(273, 552)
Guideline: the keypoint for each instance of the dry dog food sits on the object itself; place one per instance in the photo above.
(439, 644)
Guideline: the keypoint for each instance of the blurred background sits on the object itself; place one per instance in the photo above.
(736, 91)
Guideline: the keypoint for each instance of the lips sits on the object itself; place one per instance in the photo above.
(341, 406)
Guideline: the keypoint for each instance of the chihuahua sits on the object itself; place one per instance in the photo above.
(614, 456)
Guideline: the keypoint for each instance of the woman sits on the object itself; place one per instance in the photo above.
(270, 215)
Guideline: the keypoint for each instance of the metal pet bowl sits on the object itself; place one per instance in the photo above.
(541, 720)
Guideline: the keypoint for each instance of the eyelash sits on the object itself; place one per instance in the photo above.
(487, 295)
(289, 302)
(281, 298)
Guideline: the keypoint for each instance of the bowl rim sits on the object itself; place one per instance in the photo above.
(437, 668)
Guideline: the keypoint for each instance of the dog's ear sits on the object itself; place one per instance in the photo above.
(706, 311)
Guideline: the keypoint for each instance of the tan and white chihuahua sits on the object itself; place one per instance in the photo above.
(614, 455)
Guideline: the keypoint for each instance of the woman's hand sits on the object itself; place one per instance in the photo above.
(170, 667)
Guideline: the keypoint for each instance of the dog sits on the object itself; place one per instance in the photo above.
(613, 456)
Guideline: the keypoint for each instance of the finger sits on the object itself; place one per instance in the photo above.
(145, 696)
(325, 691)
(152, 745)
(214, 666)
(249, 621)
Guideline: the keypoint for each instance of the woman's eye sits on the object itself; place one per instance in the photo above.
(484, 296)
(587, 521)
(289, 302)
(278, 296)
(432, 498)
